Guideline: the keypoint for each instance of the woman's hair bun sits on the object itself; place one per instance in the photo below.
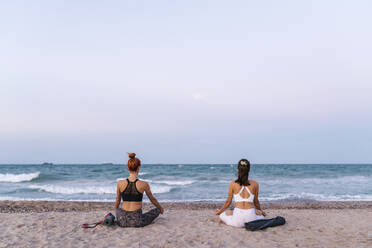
(133, 162)
(244, 162)
(132, 155)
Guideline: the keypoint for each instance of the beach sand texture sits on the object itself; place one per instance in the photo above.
(185, 225)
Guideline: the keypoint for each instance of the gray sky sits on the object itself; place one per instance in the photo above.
(186, 81)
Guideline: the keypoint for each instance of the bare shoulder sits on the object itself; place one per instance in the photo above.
(232, 184)
(122, 183)
(253, 183)
(142, 184)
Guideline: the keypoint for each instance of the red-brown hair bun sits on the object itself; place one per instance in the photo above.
(133, 162)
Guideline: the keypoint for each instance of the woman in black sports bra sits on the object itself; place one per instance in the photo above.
(131, 192)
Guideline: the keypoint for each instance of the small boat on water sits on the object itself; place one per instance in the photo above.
(47, 163)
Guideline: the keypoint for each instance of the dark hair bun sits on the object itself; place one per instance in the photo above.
(132, 155)
(244, 162)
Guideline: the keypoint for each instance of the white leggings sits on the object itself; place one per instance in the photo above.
(240, 216)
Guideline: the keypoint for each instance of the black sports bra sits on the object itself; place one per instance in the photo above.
(131, 193)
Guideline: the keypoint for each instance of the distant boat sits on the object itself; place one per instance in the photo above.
(107, 163)
(47, 163)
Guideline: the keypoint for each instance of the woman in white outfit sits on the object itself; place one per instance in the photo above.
(245, 194)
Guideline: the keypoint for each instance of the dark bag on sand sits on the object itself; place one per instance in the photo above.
(262, 224)
(109, 220)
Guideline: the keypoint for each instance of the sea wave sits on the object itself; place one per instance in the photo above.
(175, 183)
(315, 197)
(187, 182)
(316, 180)
(156, 189)
(11, 198)
(17, 178)
(98, 190)
(70, 190)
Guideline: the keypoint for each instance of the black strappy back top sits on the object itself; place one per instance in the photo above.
(131, 193)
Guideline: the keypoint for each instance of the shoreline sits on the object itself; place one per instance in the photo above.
(7, 206)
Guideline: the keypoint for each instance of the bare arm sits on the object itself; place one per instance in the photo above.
(257, 202)
(228, 200)
(118, 197)
(152, 198)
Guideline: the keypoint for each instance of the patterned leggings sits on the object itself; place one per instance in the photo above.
(136, 218)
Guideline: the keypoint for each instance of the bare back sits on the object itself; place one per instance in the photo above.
(253, 188)
(127, 205)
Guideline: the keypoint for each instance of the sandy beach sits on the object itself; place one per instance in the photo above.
(309, 224)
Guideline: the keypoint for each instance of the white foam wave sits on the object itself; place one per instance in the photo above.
(99, 190)
(315, 197)
(156, 189)
(187, 182)
(142, 173)
(15, 198)
(11, 198)
(315, 181)
(174, 183)
(70, 190)
(17, 178)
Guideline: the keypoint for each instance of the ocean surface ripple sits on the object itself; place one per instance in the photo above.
(183, 182)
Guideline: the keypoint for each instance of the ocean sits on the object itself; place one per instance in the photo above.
(186, 182)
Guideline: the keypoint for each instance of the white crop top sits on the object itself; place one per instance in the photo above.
(239, 198)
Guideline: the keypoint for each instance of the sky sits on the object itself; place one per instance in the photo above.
(186, 81)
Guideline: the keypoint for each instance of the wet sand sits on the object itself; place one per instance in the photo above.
(309, 224)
